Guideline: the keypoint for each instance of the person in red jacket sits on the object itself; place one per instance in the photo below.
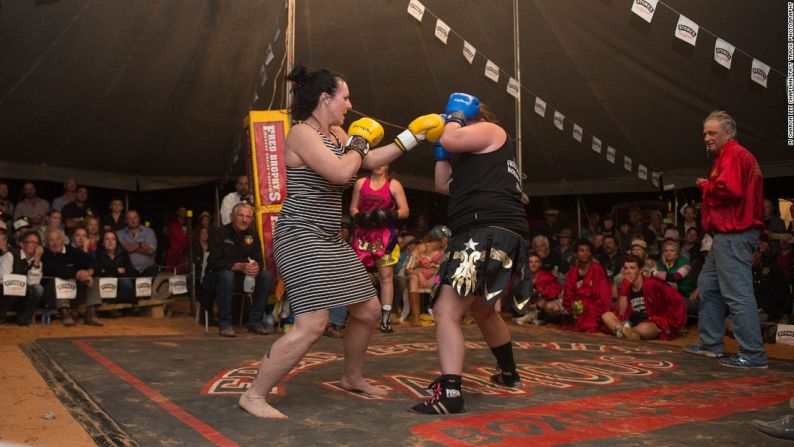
(587, 293)
(647, 308)
(733, 211)
(545, 289)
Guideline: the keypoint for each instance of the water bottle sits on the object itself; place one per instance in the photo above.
(269, 323)
(45, 315)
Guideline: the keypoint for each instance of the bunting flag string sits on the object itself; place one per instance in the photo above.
(688, 31)
(269, 56)
(443, 31)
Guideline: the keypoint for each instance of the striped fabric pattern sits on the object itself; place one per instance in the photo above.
(320, 270)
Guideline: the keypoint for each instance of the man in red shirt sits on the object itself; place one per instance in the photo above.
(647, 308)
(733, 211)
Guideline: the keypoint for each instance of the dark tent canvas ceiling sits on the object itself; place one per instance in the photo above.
(153, 94)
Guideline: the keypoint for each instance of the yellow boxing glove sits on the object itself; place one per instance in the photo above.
(363, 134)
(426, 127)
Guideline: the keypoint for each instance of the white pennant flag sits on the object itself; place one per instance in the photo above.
(513, 88)
(644, 9)
(611, 152)
(760, 72)
(492, 71)
(642, 172)
(269, 54)
(65, 289)
(627, 163)
(687, 30)
(177, 284)
(108, 287)
(469, 51)
(442, 31)
(143, 287)
(596, 144)
(577, 132)
(416, 9)
(540, 107)
(276, 32)
(15, 285)
(723, 53)
(559, 120)
(655, 179)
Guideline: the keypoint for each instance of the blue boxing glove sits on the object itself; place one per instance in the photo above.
(441, 154)
(462, 107)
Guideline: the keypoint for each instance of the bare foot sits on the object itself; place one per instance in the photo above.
(258, 407)
(361, 385)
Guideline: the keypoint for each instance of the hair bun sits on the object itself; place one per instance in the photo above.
(298, 75)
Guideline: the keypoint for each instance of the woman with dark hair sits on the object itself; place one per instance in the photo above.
(114, 262)
(488, 245)
(319, 269)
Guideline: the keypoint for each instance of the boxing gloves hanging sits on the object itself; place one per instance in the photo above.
(462, 107)
(363, 134)
(426, 127)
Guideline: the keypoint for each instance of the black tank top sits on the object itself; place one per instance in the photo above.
(486, 191)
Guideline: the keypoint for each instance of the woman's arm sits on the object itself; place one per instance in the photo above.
(355, 197)
(397, 191)
(307, 148)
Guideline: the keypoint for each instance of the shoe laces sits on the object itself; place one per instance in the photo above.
(437, 389)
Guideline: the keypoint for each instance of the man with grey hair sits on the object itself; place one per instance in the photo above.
(66, 262)
(236, 253)
(733, 212)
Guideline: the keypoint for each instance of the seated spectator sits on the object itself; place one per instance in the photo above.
(80, 241)
(611, 259)
(177, 241)
(94, 233)
(772, 221)
(115, 219)
(551, 260)
(75, 213)
(654, 234)
(205, 220)
(241, 194)
(647, 308)
(638, 249)
(690, 220)
(545, 289)
(564, 249)
(20, 226)
(6, 206)
(65, 262)
(69, 189)
(772, 293)
(112, 261)
(691, 243)
(23, 261)
(31, 206)
(697, 262)
(235, 252)
(608, 226)
(422, 267)
(141, 244)
(552, 226)
(598, 244)
(52, 221)
(784, 254)
(674, 269)
(587, 295)
(593, 225)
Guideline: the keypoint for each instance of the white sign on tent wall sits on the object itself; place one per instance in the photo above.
(540, 107)
(513, 88)
(642, 172)
(559, 120)
(627, 163)
(442, 31)
(416, 9)
(492, 71)
(469, 51)
(611, 153)
(577, 132)
(644, 9)
(723, 53)
(596, 144)
(760, 72)
(687, 30)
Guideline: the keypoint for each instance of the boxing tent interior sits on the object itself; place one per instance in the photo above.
(148, 95)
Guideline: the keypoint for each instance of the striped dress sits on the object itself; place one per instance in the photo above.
(320, 270)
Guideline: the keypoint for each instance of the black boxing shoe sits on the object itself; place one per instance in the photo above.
(446, 399)
(509, 379)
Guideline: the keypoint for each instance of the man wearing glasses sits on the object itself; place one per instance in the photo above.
(25, 260)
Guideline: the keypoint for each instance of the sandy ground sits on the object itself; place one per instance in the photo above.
(26, 397)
